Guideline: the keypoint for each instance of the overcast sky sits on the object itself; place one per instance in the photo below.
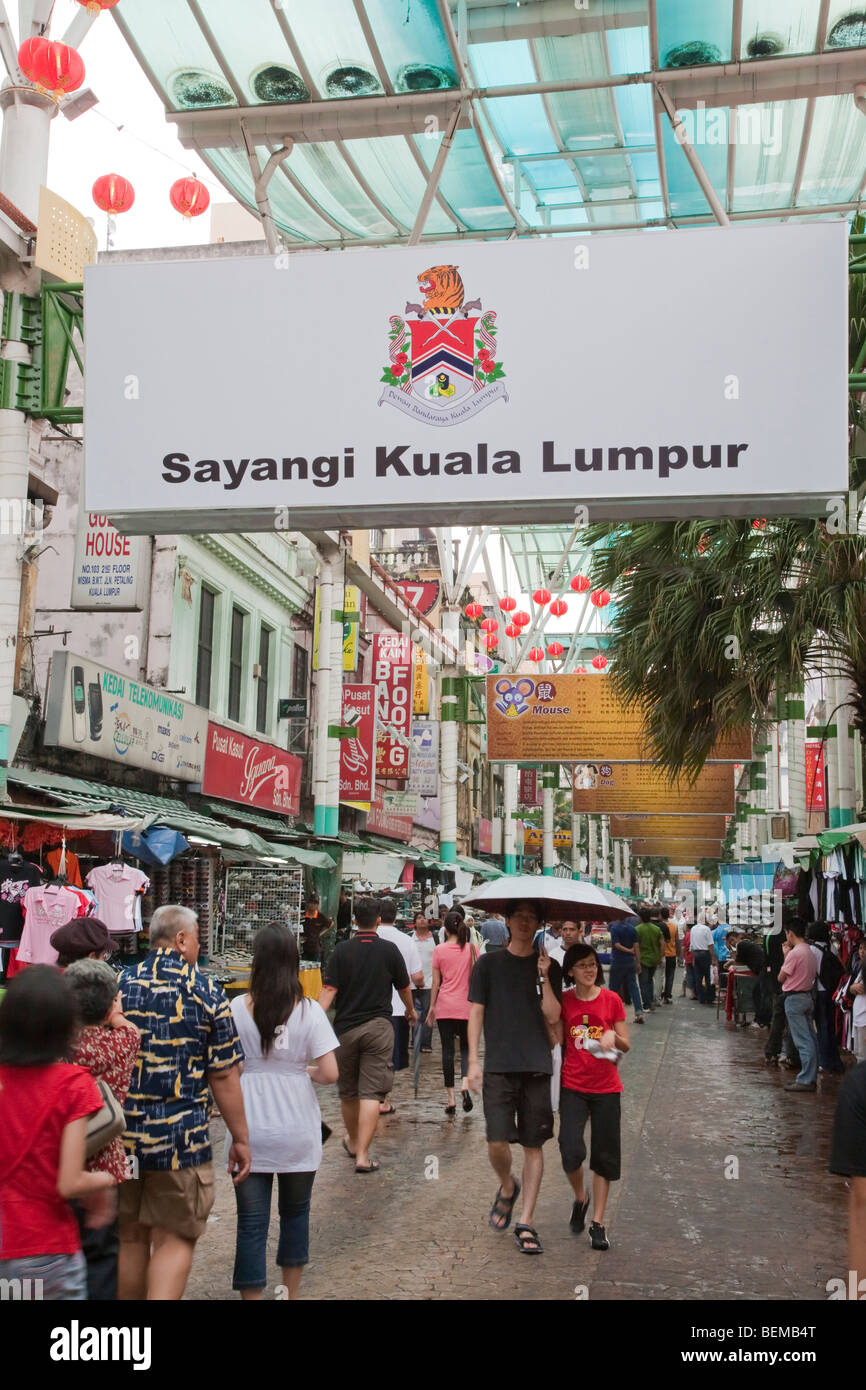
(146, 150)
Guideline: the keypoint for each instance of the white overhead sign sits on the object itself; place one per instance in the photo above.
(652, 374)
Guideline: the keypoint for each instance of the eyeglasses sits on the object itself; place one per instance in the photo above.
(585, 965)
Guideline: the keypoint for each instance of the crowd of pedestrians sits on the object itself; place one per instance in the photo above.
(107, 1172)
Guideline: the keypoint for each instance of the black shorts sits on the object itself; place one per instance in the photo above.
(602, 1111)
(517, 1108)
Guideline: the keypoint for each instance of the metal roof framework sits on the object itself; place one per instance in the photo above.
(383, 122)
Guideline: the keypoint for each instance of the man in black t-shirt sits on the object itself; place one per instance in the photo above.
(848, 1157)
(515, 996)
(359, 975)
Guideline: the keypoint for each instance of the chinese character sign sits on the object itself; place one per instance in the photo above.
(392, 673)
(816, 791)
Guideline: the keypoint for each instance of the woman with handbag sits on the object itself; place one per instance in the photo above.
(288, 1044)
(449, 1003)
(44, 1106)
(107, 1047)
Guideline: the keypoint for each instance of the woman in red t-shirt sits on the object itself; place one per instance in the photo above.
(44, 1104)
(593, 1021)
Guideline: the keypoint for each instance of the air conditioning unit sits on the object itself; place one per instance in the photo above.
(780, 827)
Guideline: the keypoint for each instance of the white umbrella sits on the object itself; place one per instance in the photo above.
(557, 899)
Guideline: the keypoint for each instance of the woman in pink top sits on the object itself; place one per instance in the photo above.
(449, 1003)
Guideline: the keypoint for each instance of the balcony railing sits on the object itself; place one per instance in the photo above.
(408, 557)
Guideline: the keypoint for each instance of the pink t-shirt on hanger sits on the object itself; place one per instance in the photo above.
(118, 890)
(45, 909)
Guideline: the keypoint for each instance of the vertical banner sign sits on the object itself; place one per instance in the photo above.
(420, 683)
(816, 791)
(392, 672)
(351, 627)
(357, 754)
(424, 776)
(528, 793)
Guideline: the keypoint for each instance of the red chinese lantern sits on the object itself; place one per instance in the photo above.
(490, 640)
(522, 618)
(96, 6)
(513, 630)
(541, 596)
(702, 545)
(536, 653)
(599, 662)
(113, 193)
(759, 523)
(490, 625)
(580, 670)
(555, 649)
(558, 607)
(580, 583)
(599, 598)
(189, 197)
(507, 605)
(473, 610)
(54, 68)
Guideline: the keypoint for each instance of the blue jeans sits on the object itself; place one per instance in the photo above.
(253, 1197)
(799, 1009)
(704, 987)
(49, 1278)
(647, 984)
(620, 976)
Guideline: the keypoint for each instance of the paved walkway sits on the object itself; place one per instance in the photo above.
(700, 1107)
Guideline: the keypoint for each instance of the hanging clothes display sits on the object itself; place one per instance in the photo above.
(45, 909)
(16, 876)
(72, 868)
(119, 889)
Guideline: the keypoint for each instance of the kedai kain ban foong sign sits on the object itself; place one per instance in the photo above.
(697, 372)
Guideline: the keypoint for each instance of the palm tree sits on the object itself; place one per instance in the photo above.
(714, 617)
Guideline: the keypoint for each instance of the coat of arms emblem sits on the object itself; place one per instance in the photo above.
(442, 362)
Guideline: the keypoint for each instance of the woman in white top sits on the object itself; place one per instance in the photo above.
(282, 1033)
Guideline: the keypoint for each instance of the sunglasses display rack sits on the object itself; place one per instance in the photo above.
(189, 882)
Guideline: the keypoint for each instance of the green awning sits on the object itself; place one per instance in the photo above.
(477, 866)
(273, 825)
(162, 810)
(398, 847)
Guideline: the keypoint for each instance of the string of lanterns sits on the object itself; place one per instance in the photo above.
(599, 598)
(56, 70)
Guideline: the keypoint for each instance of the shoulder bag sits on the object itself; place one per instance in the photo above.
(106, 1123)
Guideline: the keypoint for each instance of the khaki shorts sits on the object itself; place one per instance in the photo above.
(365, 1059)
(176, 1200)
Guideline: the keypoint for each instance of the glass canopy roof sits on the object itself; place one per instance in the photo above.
(561, 111)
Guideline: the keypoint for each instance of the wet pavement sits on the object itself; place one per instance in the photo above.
(724, 1194)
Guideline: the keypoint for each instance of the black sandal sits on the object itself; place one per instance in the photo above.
(527, 1236)
(503, 1206)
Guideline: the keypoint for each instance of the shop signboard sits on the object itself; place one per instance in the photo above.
(107, 571)
(403, 803)
(569, 718)
(485, 836)
(358, 753)
(423, 594)
(293, 707)
(382, 821)
(424, 773)
(420, 683)
(604, 787)
(392, 673)
(254, 773)
(106, 714)
(446, 409)
(662, 827)
(816, 788)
